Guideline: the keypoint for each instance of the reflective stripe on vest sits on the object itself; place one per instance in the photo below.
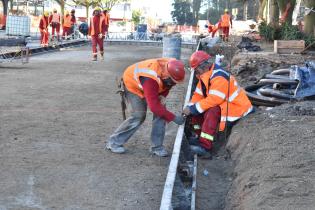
(99, 25)
(232, 119)
(145, 71)
(55, 18)
(206, 136)
(198, 91)
(217, 93)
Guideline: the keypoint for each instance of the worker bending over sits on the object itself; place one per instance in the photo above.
(226, 23)
(217, 101)
(97, 32)
(43, 28)
(147, 83)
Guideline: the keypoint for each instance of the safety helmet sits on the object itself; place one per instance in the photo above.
(176, 70)
(54, 10)
(46, 13)
(198, 58)
(67, 12)
(226, 10)
(97, 9)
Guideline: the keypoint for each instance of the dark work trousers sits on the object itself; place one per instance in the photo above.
(138, 114)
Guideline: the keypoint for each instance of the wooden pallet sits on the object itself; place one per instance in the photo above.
(289, 46)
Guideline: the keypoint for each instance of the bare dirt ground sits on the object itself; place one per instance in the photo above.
(55, 114)
(272, 158)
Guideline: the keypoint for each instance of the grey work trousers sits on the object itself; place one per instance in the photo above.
(138, 113)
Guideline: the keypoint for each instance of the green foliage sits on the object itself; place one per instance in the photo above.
(136, 14)
(267, 31)
(182, 12)
(283, 32)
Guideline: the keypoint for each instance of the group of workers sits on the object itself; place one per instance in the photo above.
(217, 103)
(223, 25)
(55, 21)
(98, 27)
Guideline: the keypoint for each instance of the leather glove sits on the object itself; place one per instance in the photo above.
(179, 119)
(186, 111)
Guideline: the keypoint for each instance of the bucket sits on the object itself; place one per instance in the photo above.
(172, 47)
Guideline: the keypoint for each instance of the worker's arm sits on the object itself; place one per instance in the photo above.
(90, 26)
(216, 96)
(151, 94)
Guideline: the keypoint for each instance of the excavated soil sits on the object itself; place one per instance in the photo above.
(55, 115)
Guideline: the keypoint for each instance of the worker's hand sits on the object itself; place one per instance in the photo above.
(186, 111)
(100, 36)
(162, 100)
(179, 119)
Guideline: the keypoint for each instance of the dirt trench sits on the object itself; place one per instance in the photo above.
(55, 115)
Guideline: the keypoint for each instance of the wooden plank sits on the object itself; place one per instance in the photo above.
(288, 46)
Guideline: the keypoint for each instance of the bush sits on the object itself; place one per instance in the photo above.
(283, 32)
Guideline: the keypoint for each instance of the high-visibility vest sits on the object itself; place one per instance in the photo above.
(67, 21)
(149, 68)
(225, 20)
(212, 90)
(100, 25)
(55, 18)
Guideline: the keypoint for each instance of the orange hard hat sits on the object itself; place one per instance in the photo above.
(198, 58)
(176, 70)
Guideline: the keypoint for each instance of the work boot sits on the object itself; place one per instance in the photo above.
(159, 151)
(200, 151)
(102, 56)
(115, 148)
(94, 58)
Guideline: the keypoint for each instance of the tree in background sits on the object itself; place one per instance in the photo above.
(196, 4)
(286, 10)
(136, 15)
(62, 7)
(309, 20)
(182, 12)
(108, 4)
(87, 4)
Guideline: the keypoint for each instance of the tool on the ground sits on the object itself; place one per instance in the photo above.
(121, 92)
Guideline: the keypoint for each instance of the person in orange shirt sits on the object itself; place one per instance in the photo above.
(66, 25)
(106, 19)
(54, 21)
(97, 32)
(43, 28)
(226, 23)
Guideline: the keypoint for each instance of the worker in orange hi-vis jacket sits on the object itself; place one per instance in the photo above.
(106, 19)
(43, 28)
(66, 25)
(226, 23)
(54, 20)
(97, 32)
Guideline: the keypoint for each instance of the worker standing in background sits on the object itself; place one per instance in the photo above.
(217, 102)
(147, 83)
(43, 28)
(97, 33)
(54, 21)
(73, 22)
(66, 25)
(226, 23)
(106, 18)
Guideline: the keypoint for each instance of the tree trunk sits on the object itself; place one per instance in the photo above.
(274, 13)
(245, 9)
(262, 6)
(62, 9)
(309, 20)
(286, 8)
(5, 7)
(87, 13)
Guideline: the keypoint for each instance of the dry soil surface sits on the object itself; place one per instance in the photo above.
(55, 115)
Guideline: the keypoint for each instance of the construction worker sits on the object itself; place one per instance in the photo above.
(147, 83)
(43, 28)
(73, 22)
(66, 25)
(226, 23)
(217, 100)
(97, 33)
(106, 19)
(54, 21)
